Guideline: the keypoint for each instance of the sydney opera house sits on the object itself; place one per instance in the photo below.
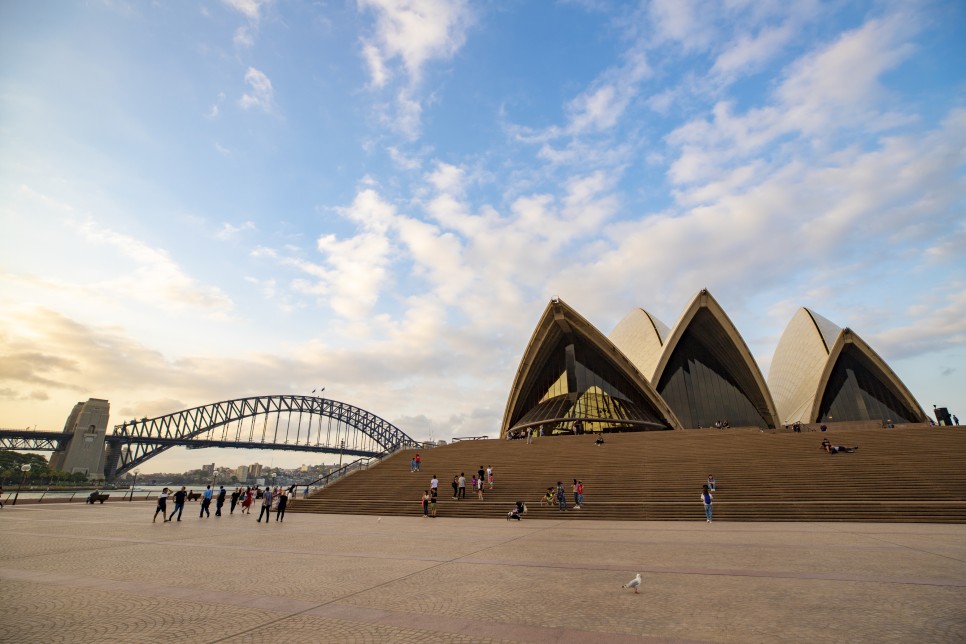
(648, 376)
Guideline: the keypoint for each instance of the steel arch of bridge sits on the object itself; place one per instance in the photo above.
(135, 441)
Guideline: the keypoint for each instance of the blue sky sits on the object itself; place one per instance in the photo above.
(202, 201)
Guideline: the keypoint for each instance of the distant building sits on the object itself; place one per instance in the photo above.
(208, 469)
(255, 470)
(242, 473)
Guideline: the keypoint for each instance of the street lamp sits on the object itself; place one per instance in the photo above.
(133, 485)
(341, 449)
(23, 468)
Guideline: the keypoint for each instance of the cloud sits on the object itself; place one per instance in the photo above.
(252, 10)
(415, 32)
(229, 231)
(406, 36)
(150, 275)
(685, 22)
(822, 95)
(260, 95)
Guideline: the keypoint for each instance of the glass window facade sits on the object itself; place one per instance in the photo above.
(576, 381)
(858, 390)
(707, 379)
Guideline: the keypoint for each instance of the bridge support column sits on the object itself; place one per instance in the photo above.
(87, 423)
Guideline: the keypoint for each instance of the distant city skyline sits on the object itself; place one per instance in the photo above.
(206, 201)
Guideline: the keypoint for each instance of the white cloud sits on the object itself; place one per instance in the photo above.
(414, 31)
(230, 231)
(250, 8)
(150, 275)
(261, 94)
(750, 53)
(686, 22)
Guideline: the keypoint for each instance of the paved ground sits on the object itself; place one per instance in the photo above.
(78, 573)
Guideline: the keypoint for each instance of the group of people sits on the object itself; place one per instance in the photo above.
(414, 463)
(272, 499)
(559, 496)
(479, 482)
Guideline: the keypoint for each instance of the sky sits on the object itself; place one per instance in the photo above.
(208, 200)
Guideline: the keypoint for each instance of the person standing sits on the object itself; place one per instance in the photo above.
(580, 494)
(432, 503)
(412, 464)
(462, 486)
(220, 502)
(711, 482)
(205, 503)
(456, 485)
(576, 495)
(179, 498)
(234, 499)
(561, 497)
(707, 499)
(266, 506)
(433, 483)
(489, 475)
(162, 506)
(418, 461)
(480, 474)
(529, 435)
(425, 503)
(282, 503)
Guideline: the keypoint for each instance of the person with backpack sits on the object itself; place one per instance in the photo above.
(707, 499)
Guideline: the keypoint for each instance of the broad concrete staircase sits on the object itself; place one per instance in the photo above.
(905, 474)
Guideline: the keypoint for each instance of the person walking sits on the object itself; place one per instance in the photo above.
(707, 499)
(282, 503)
(266, 506)
(247, 501)
(462, 486)
(234, 499)
(433, 483)
(162, 506)
(179, 498)
(220, 502)
(489, 475)
(205, 503)
(481, 474)
(561, 497)
(479, 489)
(456, 484)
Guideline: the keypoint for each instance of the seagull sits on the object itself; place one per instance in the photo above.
(633, 583)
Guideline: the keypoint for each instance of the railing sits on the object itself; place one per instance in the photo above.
(362, 463)
(470, 438)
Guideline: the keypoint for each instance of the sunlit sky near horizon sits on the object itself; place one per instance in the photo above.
(204, 201)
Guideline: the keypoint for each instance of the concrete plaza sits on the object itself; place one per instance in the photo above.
(78, 573)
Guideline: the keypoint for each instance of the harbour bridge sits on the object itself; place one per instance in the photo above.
(280, 422)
